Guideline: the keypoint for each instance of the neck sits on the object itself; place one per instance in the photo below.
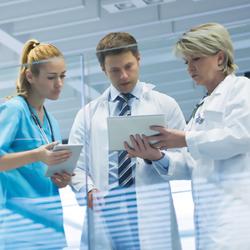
(36, 102)
(211, 87)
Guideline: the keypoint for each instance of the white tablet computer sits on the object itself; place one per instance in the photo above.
(70, 164)
(121, 127)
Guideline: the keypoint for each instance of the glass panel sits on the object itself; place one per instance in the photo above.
(160, 67)
(140, 217)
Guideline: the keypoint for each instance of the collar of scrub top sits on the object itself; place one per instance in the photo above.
(136, 92)
(38, 124)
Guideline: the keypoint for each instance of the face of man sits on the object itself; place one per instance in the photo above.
(122, 70)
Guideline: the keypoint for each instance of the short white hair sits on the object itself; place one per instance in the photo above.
(206, 40)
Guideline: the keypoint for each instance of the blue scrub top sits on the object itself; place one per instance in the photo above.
(18, 133)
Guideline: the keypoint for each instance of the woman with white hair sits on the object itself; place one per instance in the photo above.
(216, 141)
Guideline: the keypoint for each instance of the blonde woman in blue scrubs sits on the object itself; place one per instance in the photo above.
(28, 133)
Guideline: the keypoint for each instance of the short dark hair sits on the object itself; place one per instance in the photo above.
(115, 43)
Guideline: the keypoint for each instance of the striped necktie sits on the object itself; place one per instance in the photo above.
(125, 164)
(123, 203)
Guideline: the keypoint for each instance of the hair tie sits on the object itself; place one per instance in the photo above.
(35, 44)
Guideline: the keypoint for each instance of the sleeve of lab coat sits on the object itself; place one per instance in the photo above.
(179, 166)
(229, 138)
(79, 135)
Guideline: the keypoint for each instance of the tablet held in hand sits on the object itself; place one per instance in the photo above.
(70, 164)
(121, 127)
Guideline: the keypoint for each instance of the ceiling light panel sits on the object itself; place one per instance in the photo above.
(125, 6)
(148, 2)
(118, 6)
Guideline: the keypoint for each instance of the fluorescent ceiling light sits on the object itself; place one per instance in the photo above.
(153, 1)
(118, 6)
(125, 5)
(8, 3)
(10, 42)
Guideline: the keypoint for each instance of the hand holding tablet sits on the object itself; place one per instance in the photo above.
(68, 165)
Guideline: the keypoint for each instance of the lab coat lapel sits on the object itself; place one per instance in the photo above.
(144, 106)
(99, 134)
(215, 106)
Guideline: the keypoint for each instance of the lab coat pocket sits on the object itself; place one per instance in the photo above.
(213, 119)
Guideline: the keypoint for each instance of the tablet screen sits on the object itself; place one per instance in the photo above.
(121, 127)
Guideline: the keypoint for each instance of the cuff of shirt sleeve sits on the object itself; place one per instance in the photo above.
(162, 165)
(87, 188)
(90, 187)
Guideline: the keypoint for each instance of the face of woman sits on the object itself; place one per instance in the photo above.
(205, 70)
(50, 80)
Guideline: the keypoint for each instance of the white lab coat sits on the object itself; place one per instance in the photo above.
(91, 125)
(218, 155)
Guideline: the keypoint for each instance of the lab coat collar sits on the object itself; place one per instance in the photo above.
(216, 100)
(223, 86)
(135, 92)
(111, 93)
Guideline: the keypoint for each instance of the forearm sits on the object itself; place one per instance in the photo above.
(161, 165)
(218, 144)
(173, 165)
(16, 160)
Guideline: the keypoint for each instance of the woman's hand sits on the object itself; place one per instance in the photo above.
(167, 138)
(61, 180)
(45, 154)
(141, 148)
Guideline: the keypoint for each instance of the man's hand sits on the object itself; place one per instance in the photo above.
(92, 197)
(141, 148)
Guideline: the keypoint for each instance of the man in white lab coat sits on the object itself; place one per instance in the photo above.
(157, 229)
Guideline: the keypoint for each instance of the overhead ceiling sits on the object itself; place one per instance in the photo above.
(76, 26)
